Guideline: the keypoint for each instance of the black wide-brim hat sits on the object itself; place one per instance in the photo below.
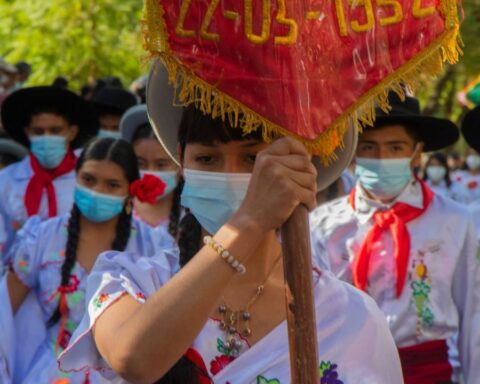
(17, 110)
(471, 128)
(435, 133)
(114, 100)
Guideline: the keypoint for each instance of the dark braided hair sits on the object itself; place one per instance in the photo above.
(198, 128)
(107, 149)
(174, 219)
(190, 237)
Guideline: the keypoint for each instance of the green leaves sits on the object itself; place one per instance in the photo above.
(79, 39)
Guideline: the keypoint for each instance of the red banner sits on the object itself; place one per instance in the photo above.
(301, 67)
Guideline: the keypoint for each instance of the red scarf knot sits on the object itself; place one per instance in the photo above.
(41, 180)
(395, 220)
(385, 219)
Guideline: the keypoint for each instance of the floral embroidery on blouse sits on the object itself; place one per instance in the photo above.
(70, 327)
(472, 184)
(140, 296)
(421, 287)
(264, 380)
(63, 380)
(23, 265)
(100, 300)
(16, 225)
(220, 362)
(328, 373)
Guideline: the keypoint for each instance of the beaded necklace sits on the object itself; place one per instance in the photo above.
(232, 319)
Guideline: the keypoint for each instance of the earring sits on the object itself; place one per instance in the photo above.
(129, 207)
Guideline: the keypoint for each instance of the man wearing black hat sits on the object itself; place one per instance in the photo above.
(52, 122)
(471, 133)
(413, 251)
(111, 103)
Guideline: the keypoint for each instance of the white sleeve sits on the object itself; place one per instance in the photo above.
(20, 335)
(7, 331)
(114, 275)
(319, 252)
(466, 294)
(3, 241)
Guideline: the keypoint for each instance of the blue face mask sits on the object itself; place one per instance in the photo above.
(385, 179)
(214, 197)
(169, 178)
(49, 150)
(97, 207)
(103, 133)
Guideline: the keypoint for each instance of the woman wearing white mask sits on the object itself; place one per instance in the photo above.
(221, 318)
(157, 194)
(50, 261)
(52, 123)
(470, 178)
(470, 132)
(414, 251)
(437, 177)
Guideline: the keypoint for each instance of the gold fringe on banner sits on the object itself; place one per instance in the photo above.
(191, 89)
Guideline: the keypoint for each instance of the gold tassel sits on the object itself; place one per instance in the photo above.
(191, 89)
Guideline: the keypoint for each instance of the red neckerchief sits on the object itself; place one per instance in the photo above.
(395, 220)
(43, 179)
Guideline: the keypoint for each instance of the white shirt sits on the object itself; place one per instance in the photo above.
(358, 348)
(456, 191)
(14, 181)
(437, 302)
(471, 186)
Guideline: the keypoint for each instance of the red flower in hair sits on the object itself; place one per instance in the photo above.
(219, 363)
(472, 184)
(148, 189)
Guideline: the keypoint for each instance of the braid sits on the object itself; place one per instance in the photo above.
(190, 233)
(176, 209)
(119, 244)
(122, 231)
(189, 238)
(70, 257)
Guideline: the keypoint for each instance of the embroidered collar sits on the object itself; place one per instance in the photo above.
(366, 207)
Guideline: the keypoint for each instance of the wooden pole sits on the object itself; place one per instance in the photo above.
(302, 330)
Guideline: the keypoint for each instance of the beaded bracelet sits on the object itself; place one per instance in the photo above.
(225, 254)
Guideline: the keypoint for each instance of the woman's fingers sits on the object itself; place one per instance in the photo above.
(287, 146)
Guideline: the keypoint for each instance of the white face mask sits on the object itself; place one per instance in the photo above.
(473, 162)
(436, 173)
(214, 197)
(105, 134)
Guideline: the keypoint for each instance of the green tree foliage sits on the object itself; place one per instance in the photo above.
(440, 97)
(78, 39)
